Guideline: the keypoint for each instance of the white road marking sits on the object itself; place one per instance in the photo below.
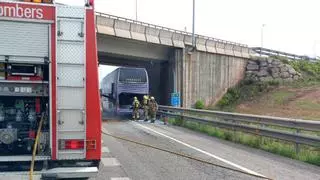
(119, 178)
(105, 150)
(109, 162)
(104, 130)
(202, 151)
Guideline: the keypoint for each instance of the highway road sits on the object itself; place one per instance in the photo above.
(124, 160)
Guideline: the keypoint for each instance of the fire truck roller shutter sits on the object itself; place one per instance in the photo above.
(24, 42)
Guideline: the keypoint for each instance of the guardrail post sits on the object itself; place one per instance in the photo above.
(297, 145)
(161, 117)
(261, 137)
(234, 131)
(165, 120)
(182, 118)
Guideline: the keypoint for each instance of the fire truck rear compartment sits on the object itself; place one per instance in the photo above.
(24, 97)
(19, 119)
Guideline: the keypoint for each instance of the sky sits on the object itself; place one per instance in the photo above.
(289, 25)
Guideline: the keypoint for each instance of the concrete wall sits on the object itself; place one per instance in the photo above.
(207, 76)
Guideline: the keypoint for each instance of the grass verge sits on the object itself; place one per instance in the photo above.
(308, 105)
(306, 154)
(280, 97)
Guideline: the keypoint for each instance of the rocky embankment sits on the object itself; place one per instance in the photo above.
(269, 69)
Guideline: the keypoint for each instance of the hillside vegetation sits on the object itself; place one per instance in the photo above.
(298, 99)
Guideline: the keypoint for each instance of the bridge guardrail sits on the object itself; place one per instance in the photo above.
(271, 52)
(204, 39)
(291, 129)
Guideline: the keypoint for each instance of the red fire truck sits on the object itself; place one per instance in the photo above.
(50, 122)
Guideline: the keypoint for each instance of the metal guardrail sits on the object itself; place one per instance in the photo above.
(270, 52)
(167, 29)
(291, 129)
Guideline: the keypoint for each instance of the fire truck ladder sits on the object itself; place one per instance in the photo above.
(71, 94)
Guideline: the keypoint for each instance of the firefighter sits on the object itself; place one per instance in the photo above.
(145, 107)
(153, 108)
(135, 109)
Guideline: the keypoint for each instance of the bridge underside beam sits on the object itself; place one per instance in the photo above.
(122, 60)
(133, 48)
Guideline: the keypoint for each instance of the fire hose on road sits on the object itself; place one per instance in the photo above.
(35, 145)
(183, 155)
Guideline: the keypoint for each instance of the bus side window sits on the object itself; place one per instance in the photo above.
(112, 89)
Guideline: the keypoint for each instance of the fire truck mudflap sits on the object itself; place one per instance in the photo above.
(49, 68)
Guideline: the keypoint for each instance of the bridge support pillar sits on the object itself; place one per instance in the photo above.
(206, 76)
(177, 71)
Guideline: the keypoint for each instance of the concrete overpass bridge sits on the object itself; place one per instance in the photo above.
(204, 73)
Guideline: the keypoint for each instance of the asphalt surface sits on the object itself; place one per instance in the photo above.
(125, 160)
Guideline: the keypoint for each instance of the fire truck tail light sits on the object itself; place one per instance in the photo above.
(71, 144)
(37, 1)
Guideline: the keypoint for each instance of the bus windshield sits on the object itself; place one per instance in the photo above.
(132, 75)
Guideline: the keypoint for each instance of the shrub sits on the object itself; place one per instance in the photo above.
(274, 83)
(199, 104)
(232, 96)
(178, 121)
(282, 59)
(306, 66)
